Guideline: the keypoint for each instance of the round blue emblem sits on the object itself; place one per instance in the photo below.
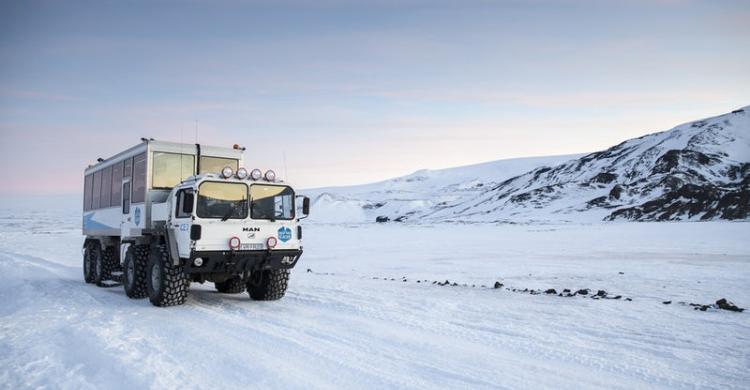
(285, 234)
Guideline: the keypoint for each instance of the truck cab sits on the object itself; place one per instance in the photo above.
(221, 225)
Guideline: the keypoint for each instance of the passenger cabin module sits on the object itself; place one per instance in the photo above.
(161, 215)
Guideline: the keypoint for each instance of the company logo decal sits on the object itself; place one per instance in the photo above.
(137, 216)
(285, 234)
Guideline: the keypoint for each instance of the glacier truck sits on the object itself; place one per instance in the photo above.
(161, 215)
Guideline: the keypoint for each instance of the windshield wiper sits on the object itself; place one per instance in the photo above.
(229, 214)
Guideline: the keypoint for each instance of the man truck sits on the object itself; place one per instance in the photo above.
(161, 215)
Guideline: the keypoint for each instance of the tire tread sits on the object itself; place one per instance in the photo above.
(272, 286)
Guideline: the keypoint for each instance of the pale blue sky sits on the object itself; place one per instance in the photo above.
(354, 92)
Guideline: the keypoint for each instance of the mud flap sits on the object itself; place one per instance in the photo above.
(172, 246)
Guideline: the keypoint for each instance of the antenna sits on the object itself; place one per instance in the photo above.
(196, 131)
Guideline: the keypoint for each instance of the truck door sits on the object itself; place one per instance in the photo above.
(181, 219)
(126, 222)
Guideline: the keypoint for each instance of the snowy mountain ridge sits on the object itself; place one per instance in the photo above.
(414, 194)
(696, 171)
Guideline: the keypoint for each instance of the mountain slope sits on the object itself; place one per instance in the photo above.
(419, 193)
(696, 171)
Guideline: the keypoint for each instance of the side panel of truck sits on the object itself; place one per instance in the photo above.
(131, 171)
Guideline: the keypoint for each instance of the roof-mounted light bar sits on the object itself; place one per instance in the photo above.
(254, 175)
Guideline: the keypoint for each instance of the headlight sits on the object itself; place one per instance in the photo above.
(234, 243)
(256, 174)
(227, 172)
(270, 175)
(242, 173)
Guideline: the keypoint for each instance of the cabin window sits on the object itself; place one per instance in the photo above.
(106, 187)
(216, 164)
(126, 198)
(87, 184)
(170, 169)
(139, 178)
(116, 184)
(185, 200)
(127, 168)
(97, 190)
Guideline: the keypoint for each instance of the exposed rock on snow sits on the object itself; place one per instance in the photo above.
(726, 305)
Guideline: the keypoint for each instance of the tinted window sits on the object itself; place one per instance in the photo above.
(126, 198)
(87, 184)
(171, 169)
(106, 187)
(127, 168)
(116, 184)
(222, 200)
(97, 189)
(271, 202)
(139, 178)
(185, 200)
(216, 164)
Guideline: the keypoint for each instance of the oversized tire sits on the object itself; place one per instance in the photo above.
(112, 263)
(98, 265)
(234, 285)
(268, 285)
(88, 274)
(104, 262)
(134, 272)
(167, 283)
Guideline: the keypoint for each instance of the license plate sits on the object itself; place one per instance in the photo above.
(252, 247)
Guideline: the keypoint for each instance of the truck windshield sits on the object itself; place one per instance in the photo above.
(271, 202)
(222, 200)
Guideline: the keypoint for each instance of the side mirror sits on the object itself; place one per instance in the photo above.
(306, 205)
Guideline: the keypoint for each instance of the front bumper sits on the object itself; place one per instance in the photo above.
(235, 262)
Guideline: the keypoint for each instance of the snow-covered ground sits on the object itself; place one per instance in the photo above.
(339, 327)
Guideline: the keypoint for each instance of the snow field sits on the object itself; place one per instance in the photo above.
(339, 327)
